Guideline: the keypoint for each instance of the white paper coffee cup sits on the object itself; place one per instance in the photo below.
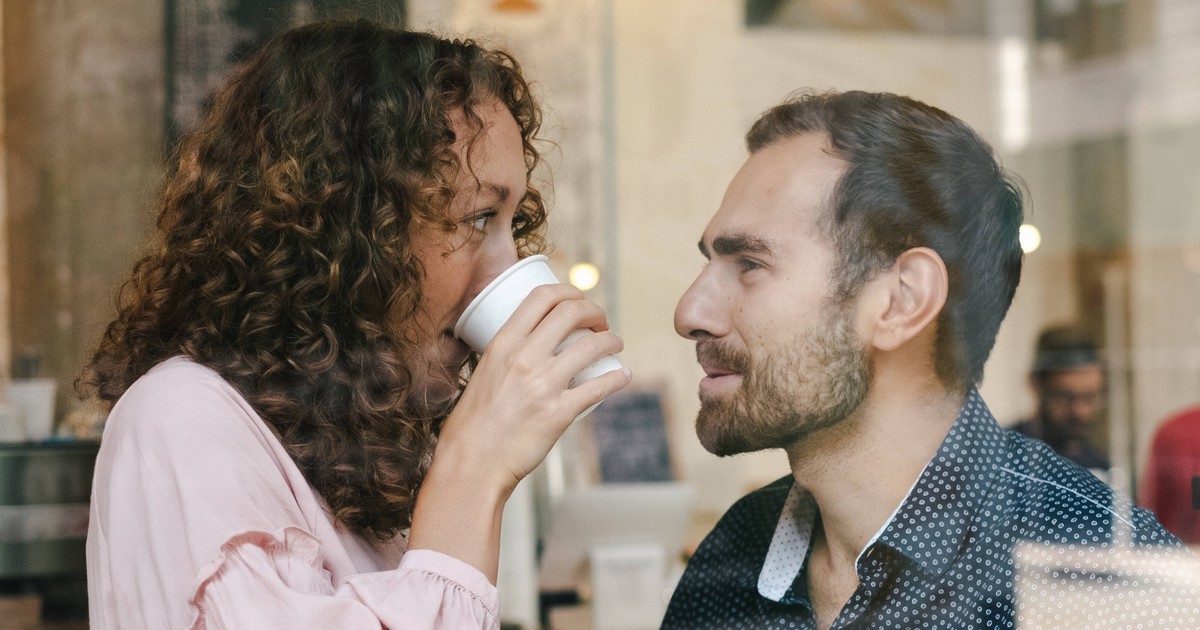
(497, 301)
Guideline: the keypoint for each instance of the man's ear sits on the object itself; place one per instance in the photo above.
(914, 292)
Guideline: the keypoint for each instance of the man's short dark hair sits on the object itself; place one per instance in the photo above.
(916, 177)
(1061, 348)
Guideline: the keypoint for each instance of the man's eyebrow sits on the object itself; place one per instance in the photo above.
(734, 244)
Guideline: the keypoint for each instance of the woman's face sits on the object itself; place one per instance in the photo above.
(458, 265)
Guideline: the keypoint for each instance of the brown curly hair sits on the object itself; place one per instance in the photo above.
(283, 255)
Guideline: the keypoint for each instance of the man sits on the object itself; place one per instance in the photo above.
(858, 269)
(1068, 382)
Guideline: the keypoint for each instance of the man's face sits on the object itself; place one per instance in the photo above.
(458, 265)
(1070, 401)
(781, 359)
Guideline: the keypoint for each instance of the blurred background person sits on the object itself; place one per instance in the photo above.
(1068, 385)
(1170, 486)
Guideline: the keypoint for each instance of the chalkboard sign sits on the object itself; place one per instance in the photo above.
(206, 38)
(630, 433)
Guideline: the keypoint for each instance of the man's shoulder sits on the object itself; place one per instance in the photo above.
(1031, 458)
(1074, 538)
(1051, 499)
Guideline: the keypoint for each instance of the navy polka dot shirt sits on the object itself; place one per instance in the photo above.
(997, 532)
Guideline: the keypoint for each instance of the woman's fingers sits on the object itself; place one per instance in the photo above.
(585, 348)
(564, 319)
(594, 390)
(520, 399)
(550, 319)
(535, 307)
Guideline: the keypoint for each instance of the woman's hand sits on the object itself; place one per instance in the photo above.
(517, 403)
(515, 407)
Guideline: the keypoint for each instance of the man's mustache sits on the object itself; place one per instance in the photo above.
(714, 354)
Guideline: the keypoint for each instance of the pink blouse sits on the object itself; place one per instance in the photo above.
(200, 519)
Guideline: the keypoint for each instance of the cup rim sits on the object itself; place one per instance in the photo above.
(491, 286)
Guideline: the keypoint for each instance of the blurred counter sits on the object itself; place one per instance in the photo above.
(44, 492)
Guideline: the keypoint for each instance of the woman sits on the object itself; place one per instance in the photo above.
(282, 367)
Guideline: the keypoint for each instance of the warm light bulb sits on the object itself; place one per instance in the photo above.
(584, 276)
(1030, 238)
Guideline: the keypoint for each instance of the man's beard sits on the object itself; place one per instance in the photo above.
(810, 384)
(1057, 431)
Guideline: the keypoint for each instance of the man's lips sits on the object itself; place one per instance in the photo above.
(717, 378)
(716, 372)
(719, 382)
(723, 370)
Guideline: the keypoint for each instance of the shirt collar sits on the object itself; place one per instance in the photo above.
(957, 490)
(789, 546)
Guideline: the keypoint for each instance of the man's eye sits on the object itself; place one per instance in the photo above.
(746, 264)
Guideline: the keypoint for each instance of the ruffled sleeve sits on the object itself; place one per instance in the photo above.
(275, 580)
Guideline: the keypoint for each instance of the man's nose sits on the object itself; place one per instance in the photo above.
(699, 311)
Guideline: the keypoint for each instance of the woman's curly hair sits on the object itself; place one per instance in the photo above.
(283, 255)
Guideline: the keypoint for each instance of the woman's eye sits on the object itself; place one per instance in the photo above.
(480, 221)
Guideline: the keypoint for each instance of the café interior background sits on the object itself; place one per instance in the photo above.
(1094, 103)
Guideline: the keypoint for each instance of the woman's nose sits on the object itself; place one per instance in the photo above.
(497, 261)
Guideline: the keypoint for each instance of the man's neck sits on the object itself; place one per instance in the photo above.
(861, 469)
